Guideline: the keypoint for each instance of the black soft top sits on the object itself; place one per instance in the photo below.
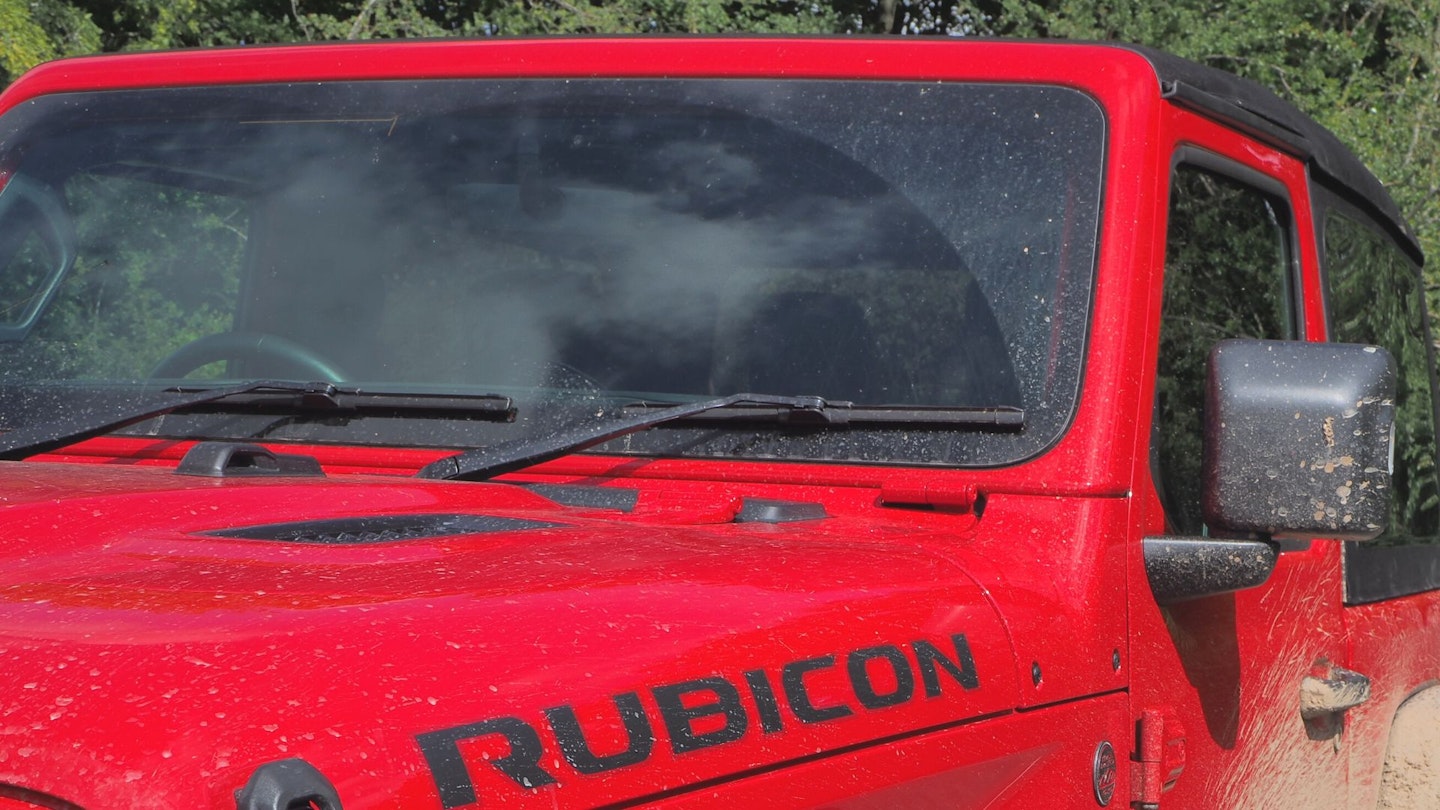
(1261, 113)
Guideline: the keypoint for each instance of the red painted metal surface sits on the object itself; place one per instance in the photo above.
(1228, 668)
(847, 57)
(232, 652)
(706, 663)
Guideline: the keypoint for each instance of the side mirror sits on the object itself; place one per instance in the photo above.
(1299, 439)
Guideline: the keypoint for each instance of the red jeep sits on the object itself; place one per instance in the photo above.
(706, 423)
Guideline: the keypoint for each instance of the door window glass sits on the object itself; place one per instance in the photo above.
(1375, 296)
(1227, 275)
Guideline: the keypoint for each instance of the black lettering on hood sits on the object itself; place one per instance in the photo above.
(730, 708)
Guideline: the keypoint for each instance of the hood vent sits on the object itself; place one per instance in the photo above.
(381, 529)
(752, 510)
(588, 496)
(764, 510)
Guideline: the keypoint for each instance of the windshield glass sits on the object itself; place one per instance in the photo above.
(575, 245)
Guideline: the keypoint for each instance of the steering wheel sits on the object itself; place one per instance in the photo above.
(249, 346)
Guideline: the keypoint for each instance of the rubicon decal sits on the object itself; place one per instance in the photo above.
(701, 713)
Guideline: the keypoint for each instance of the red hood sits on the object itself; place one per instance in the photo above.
(642, 650)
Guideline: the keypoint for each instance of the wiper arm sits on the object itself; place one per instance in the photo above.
(998, 417)
(46, 436)
(316, 396)
(487, 462)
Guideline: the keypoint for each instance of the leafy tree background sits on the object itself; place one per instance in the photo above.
(1367, 69)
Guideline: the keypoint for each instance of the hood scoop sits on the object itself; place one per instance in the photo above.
(381, 529)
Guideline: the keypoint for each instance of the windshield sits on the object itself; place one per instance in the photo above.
(577, 246)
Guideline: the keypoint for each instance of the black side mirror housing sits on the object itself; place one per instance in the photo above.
(1299, 439)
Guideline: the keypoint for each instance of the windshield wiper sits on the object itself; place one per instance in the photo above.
(43, 437)
(1001, 417)
(487, 462)
(327, 399)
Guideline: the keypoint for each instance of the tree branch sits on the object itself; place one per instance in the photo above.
(304, 26)
(360, 18)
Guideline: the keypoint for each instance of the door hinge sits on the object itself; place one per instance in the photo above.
(1329, 689)
(1159, 757)
(963, 499)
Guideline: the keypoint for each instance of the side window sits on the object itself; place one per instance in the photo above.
(1228, 273)
(1375, 296)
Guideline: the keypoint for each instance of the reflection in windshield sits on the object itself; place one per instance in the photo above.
(583, 242)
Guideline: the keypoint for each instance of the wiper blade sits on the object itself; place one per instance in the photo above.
(487, 462)
(329, 399)
(316, 396)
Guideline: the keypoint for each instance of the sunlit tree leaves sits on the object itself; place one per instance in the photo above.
(34, 31)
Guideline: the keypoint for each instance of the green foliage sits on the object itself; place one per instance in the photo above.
(129, 25)
(373, 19)
(157, 24)
(34, 31)
(660, 16)
(157, 268)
